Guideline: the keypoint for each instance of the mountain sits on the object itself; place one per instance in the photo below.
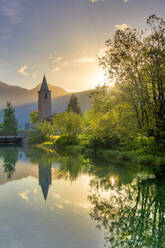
(20, 96)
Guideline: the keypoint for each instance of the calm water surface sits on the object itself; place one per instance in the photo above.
(69, 201)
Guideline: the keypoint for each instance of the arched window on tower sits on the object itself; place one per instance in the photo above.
(46, 95)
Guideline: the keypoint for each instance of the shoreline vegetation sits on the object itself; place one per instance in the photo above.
(126, 122)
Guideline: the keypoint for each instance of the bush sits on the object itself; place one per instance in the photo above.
(111, 154)
(126, 156)
(146, 159)
(67, 140)
(160, 161)
(35, 136)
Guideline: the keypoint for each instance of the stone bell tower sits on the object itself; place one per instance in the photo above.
(44, 101)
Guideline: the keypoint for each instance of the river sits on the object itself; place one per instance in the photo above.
(70, 201)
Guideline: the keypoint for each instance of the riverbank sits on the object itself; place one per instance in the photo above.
(115, 156)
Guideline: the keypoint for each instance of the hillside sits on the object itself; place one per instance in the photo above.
(20, 96)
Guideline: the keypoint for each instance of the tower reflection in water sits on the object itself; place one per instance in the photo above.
(10, 156)
(45, 177)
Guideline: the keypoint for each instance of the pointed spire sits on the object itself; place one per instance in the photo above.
(45, 178)
(45, 190)
(44, 85)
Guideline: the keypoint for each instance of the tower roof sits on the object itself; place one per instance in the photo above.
(44, 85)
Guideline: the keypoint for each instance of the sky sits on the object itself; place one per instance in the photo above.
(61, 38)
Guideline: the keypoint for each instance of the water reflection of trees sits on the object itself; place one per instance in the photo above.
(10, 158)
(130, 211)
(132, 215)
(70, 165)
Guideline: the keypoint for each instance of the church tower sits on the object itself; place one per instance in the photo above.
(44, 101)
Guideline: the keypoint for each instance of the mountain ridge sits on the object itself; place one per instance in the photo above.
(19, 96)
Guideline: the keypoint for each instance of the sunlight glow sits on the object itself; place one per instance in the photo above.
(112, 180)
(100, 79)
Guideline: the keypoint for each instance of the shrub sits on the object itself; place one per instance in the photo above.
(146, 159)
(111, 154)
(159, 161)
(67, 140)
(126, 156)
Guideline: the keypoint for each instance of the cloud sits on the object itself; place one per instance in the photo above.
(85, 60)
(57, 59)
(56, 69)
(122, 27)
(23, 69)
(125, 1)
(24, 196)
(12, 9)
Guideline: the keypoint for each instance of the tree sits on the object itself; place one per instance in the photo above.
(110, 121)
(136, 59)
(73, 105)
(68, 123)
(10, 124)
(34, 117)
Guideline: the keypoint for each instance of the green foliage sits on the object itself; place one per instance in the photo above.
(73, 105)
(111, 154)
(67, 140)
(34, 117)
(63, 129)
(118, 156)
(10, 125)
(147, 159)
(109, 122)
(68, 124)
(126, 156)
(160, 161)
(135, 58)
(40, 133)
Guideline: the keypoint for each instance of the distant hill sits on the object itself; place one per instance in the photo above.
(25, 100)
(20, 96)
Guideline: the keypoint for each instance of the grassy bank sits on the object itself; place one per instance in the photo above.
(119, 156)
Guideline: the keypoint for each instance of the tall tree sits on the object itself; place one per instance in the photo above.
(10, 124)
(73, 105)
(136, 59)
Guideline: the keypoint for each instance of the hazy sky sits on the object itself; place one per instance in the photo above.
(62, 37)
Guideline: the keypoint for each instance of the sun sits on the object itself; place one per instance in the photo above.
(99, 79)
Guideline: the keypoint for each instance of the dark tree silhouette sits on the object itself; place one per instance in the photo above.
(73, 105)
(10, 125)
